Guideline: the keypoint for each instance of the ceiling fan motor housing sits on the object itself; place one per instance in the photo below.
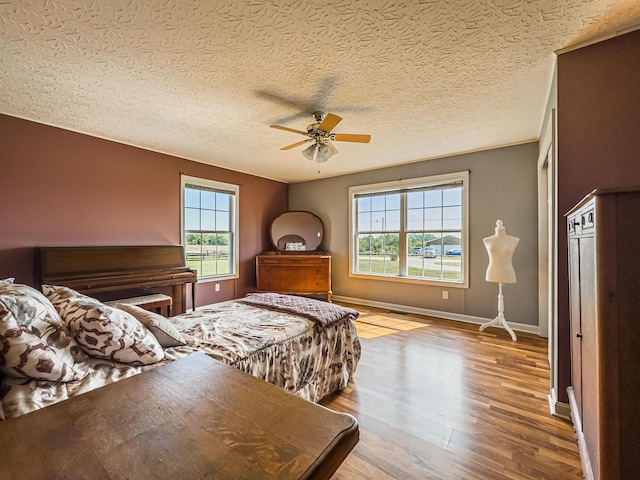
(319, 116)
(320, 136)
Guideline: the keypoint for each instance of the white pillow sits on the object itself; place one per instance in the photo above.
(103, 331)
(34, 342)
(161, 327)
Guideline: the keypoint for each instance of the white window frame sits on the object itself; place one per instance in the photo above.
(391, 187)
(227, 187)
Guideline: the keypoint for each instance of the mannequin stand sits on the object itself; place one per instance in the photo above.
(500, 321)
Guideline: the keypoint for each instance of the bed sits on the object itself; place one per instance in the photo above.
(62, 344)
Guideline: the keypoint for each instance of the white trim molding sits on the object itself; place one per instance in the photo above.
(558, 409)
(521, 327)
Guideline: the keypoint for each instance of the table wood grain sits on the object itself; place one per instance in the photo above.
(195, 418)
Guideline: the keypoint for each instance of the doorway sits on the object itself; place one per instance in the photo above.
(547, 255)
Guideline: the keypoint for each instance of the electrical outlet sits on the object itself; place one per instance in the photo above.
(217, 287)
(445, 295)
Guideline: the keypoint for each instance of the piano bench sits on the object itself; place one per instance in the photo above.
(154, 302)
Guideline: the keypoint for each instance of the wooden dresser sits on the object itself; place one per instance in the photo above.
(297, 265)
(604, 291)
(304, 273)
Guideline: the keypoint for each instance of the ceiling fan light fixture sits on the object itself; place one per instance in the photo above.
(320, 133)
(310, 152)
(324, 153)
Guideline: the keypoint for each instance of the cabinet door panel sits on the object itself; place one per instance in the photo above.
(576, 340)
(589, 339)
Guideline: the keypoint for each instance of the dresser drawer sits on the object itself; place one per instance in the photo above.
(291, 261)
(292, 271)
(303, 285)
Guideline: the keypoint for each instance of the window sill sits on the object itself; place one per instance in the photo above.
(414, 280)
(217, 279)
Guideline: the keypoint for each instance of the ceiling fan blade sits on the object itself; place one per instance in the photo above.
(329, 122)
(288, 129)
(295, 145)
(350, 137)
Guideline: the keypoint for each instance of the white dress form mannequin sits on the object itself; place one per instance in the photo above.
(500, 248)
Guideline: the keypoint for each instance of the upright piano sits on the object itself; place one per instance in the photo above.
(116, 272)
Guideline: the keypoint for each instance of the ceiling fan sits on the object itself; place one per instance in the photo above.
(320, 135)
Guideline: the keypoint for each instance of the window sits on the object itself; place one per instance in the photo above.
(210, 227)
(411, 230)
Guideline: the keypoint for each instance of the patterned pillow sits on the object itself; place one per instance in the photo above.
(103, 331)
(166, 333)
(34, 342)
(7, 280)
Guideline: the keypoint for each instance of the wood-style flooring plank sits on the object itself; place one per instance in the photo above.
(438, 399)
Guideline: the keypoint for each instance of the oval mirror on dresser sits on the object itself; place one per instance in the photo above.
(297, 230)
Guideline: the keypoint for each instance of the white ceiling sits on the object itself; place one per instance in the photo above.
(205, 79)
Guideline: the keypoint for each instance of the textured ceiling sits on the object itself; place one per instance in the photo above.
(205, 79)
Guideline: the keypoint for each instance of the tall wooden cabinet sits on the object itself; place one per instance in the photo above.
(604, 290)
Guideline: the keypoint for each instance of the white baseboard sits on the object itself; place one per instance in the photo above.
(587, 471)
(521, 327)
(559, 409)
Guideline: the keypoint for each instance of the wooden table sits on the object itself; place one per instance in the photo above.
(194, 418)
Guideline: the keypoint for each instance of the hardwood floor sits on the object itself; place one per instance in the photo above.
(438, 399)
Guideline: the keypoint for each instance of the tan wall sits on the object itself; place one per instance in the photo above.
(502, 185)
(60, 188)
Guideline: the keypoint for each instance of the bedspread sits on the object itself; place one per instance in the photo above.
(323, 313)
(20, 395)
(287, 350)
